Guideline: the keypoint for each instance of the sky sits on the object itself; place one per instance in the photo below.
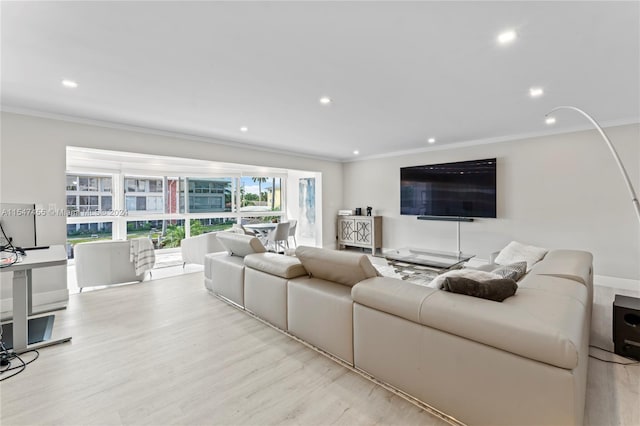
(251, 187)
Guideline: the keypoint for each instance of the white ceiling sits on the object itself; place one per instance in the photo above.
(398, 72)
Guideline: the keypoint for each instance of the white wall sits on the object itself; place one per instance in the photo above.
(562, 191)
(33, 162)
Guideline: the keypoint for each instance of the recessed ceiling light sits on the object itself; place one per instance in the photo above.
(325, 100)
(550, 120)
(244, 129)
(536, 92)
(507, 37)
(431, 140)
(69, 83)
(356, 152)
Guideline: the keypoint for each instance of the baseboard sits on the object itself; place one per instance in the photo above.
(615, 282)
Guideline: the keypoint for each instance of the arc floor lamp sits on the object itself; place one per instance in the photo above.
(632, 192)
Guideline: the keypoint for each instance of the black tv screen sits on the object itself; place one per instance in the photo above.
(462, 189)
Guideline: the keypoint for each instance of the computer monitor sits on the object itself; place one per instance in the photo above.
(19, 223)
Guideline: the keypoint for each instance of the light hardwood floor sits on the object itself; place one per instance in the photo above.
(167, 352)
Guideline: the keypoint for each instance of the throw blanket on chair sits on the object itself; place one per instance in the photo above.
(142, 255)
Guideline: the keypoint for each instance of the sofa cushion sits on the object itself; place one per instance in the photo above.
(517, 252)
(336, 266)
(535, 324)
(266, 296)
(570, 264)
(224, 276)
(538, 325)
(473, 274)
(240, 245)
(275, 264)
(393, 296)
(557, 286)
(496, 290)
(321, 313)
(513, 271)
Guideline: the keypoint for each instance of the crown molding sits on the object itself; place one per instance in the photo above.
(499, 139)
(158, 132)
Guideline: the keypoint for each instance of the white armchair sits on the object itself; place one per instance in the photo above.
(101, 263)
(194, 248)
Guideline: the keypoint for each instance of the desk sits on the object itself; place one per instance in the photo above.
(53, 256)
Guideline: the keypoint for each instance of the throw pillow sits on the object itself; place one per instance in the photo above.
(496, 290)
(513, 271)
(518, 252)
(473, 274)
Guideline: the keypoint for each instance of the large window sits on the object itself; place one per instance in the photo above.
(166, 209)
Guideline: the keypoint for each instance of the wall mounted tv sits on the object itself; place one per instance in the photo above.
(465, 189)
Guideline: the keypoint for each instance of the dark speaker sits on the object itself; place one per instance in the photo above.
(626, 326)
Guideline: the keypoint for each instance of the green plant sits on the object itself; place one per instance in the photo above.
(196, 227)
(174, 235)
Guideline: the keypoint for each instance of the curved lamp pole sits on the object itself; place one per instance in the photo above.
(632, 192)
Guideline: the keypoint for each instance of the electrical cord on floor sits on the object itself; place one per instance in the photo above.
(634, 363)
(20, 368)
(6, 358)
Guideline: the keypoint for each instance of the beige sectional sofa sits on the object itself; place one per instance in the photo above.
(522, 361)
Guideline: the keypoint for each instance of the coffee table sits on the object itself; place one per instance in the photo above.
(436, 259)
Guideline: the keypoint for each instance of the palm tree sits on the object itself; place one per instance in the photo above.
(260, 181)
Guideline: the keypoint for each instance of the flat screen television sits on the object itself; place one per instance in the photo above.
(462, 189)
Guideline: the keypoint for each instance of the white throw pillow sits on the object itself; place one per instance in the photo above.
(472, 274)
(518, 252)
